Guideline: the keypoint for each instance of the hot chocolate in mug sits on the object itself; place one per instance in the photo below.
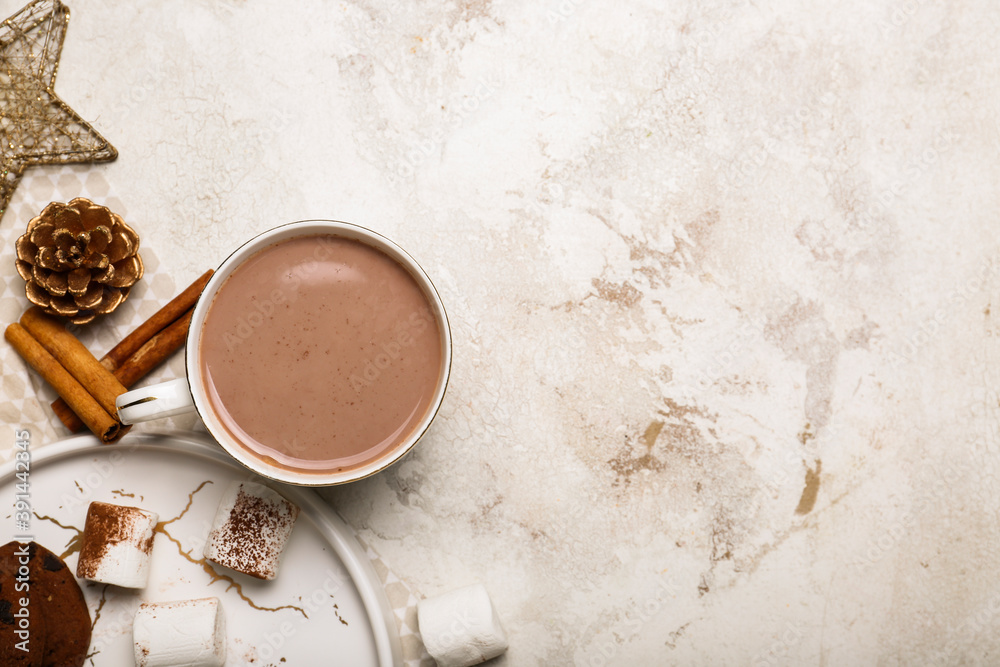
(318, 354)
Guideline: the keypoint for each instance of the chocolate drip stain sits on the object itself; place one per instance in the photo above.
(808, 499)
(73, 546)
(97, 615)
(100, 606)
(161, 528)
(215, 576)
(163, 524)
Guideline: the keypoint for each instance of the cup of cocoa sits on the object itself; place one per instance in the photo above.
(318, 354)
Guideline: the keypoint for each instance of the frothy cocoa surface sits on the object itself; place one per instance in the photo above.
(320, 353)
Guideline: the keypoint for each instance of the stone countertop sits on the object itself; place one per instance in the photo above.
(721, 278)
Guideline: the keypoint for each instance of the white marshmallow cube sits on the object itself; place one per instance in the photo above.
(116, 546)
(461, 628)
(187, 633)
(250, 529)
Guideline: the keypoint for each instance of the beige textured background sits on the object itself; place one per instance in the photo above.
(721, 275)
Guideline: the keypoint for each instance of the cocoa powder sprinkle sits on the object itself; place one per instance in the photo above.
(247, 542)
(106, 525)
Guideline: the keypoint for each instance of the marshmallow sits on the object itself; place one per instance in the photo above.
(250, 529)
(117, 542)
(461, 628)
(187, 633)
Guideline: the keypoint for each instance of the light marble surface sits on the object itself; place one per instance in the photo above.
(722, 278)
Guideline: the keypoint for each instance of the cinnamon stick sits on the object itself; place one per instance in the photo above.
(141, 339)
(145, 359)
(97, 419)
(74, 356)
(160, 320)
(156, 350)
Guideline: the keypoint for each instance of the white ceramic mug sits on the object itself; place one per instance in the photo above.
(178, 396)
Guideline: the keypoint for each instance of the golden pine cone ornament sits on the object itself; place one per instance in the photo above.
(79, 260)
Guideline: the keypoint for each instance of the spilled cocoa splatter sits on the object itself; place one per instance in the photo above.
(652, 433)
(336, 610)
(677, 634)
(674, 431)
(811, 490)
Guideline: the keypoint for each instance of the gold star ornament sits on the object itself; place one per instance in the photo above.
(36, 127)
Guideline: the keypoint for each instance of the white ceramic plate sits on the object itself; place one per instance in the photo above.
(326, 605)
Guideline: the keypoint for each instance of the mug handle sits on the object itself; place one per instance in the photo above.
(157, 401)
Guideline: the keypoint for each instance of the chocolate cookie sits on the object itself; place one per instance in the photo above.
(54, 626)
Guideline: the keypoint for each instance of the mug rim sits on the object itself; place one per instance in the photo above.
(235, 259)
